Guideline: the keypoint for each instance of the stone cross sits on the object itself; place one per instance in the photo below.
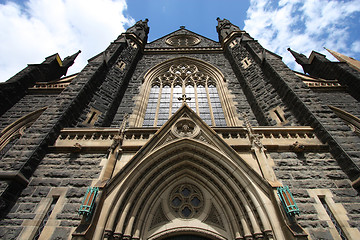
(184, 98)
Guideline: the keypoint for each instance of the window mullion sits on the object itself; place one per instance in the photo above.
(209, 101)
(196, 100)
(171, 99)
(158, 105)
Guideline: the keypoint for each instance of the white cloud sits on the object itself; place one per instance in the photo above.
(356, 46)
(39, 28)
(303, 25)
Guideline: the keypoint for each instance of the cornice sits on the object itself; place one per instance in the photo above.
(183, 50)
(320, 84)
(52, 87)
(273, 138)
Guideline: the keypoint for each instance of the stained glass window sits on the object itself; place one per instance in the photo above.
(164, 105)
(151, 107)
(190, 93)
(176, 104)
(216, 106)
(203, 104)
(181, 79)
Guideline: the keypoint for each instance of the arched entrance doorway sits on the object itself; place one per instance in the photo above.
(186, 237)
(186, 183)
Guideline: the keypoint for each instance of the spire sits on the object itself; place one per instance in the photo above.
(343, 58)
(300, 59)
(69, 61)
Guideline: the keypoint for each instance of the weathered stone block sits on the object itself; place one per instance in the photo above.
(26, 208)
(76, 192)
(41, 192)
(10, 232)
(322, 234)
(61, 233)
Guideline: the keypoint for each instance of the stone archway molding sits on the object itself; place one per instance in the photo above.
(249, 206)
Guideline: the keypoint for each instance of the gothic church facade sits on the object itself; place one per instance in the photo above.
(181, 138)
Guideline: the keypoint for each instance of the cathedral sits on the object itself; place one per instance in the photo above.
(182, 138)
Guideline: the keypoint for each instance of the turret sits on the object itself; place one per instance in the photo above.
(226, 30)
(139, 32)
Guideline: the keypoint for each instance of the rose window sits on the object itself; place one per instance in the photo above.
(186, 201)
(182, 41)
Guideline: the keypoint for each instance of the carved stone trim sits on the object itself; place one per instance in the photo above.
(245, 63)
(202, 137)
(272, 138)
(53, 86)
(319, 83)
(17, 128)
(183, 50)
(183, 230)
(159, 218)
(183, 40)
(185, 128)
(352, 121)
(214, 218)
(186, 201)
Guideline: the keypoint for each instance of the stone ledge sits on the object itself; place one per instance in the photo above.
(296, 139)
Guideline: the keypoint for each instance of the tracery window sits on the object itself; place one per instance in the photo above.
(179, 79)
(186, 201)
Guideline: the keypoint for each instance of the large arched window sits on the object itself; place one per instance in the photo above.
(203, 85)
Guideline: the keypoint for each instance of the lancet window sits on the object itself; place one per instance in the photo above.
(166, 93)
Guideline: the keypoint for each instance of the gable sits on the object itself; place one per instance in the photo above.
(185, 129)
(187, 153)
(182, 38)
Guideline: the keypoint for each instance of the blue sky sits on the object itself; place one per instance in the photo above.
(199, 16)
(34, 29)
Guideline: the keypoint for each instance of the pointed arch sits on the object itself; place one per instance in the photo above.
(352, 121)
(203, 82)
(245, 199)
(11, 133)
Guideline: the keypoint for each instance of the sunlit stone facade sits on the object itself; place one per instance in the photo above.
(181, 138)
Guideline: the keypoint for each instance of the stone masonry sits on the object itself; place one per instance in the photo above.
(35, 171)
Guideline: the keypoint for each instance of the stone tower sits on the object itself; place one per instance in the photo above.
(181, 138)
